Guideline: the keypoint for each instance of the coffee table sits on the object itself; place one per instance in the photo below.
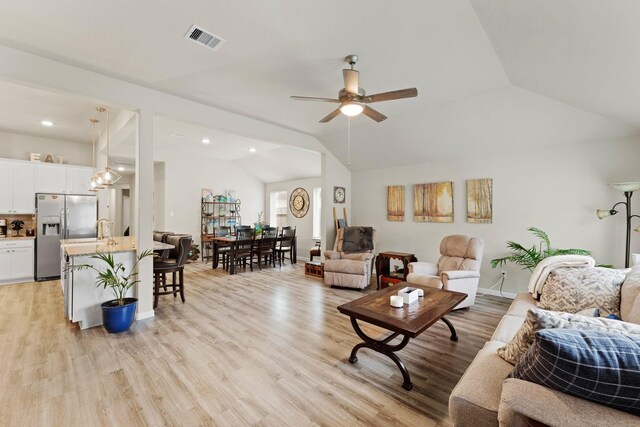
(408, 321)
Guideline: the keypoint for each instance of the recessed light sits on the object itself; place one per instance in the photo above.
(47, 123)
(206, 140)
(252, 150)
(121, 168)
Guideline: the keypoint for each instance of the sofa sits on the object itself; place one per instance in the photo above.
(485, 397)
(458, 268)
(348, 270)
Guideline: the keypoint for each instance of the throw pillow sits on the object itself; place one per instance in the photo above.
(602, 367)
(538, 319)
(574, 289)
(630, 296)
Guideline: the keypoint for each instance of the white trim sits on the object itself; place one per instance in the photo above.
(495, 292)
(145, 315)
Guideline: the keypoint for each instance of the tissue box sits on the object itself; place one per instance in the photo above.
(409, 295)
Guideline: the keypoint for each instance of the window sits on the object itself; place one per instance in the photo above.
(317, 212)
(278, 209)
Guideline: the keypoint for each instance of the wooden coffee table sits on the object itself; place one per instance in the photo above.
(408, 321)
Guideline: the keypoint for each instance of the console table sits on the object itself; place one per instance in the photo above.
(383, 270)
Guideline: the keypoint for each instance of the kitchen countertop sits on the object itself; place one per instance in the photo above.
(3, 239)
(91, 246)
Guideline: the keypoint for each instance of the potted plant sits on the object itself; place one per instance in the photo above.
(117, 314)
(528, 258)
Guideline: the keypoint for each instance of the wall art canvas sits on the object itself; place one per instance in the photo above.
(480, 201)
(395, 203)
(433, 202)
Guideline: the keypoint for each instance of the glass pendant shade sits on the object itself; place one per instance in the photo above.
(603, 213)
(626, 186)
(106, 177)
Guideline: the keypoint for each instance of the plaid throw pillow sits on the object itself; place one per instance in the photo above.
(602, 367)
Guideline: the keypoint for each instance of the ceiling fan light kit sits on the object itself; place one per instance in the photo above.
(351, 109)
(353, 98)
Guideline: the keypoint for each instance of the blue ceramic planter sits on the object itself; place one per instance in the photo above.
(119, 318)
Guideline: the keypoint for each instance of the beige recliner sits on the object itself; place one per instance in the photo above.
(348, 270)
(458, 268)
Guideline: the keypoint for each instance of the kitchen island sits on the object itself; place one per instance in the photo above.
(82, 297)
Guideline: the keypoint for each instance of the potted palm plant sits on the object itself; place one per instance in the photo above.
(528, 258)
(117, 314)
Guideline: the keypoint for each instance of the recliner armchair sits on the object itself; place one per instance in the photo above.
(348, 270)
(458, 268)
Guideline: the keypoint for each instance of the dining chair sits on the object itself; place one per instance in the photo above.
(286, 244)
(265, 247)
(243, 248)
(223, 249)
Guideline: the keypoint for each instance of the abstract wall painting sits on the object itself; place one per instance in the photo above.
(395, 203)
(433, 202)
(480, 201)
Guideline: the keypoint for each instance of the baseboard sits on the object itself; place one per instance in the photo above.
(495, 292)
(145, 315)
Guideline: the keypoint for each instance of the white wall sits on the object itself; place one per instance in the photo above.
(19, 146)
(304, 225)
(185, 177)
(334, 174)
(158, 196)
(557, 190)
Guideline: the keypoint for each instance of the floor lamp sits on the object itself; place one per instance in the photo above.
(627, 188)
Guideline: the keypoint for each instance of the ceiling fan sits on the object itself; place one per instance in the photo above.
(353, 99)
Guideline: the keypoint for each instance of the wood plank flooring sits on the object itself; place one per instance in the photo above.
(262, 348)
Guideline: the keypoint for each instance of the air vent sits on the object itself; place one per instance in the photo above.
(204, 37)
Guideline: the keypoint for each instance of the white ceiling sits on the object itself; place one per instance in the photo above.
(492, 75)
(269, 162)
(22, 108)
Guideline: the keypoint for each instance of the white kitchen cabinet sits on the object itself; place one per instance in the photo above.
(51, 178)
(77, 180)
(16, 261)
(6, 187)
(23, 192)
(22, 263)
(16, 188)
(5, 264)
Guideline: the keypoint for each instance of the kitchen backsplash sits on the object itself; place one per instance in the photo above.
(29, 222)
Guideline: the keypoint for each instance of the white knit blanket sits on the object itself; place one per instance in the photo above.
(547, 265)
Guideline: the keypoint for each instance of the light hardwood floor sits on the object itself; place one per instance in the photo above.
(261, 348)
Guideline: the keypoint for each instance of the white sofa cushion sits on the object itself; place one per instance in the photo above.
(630, 296)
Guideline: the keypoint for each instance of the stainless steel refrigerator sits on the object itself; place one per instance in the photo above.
(61, 216)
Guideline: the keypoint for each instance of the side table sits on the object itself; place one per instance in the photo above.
(383, 270)
(315, 269)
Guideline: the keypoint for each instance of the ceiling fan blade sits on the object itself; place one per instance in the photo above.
(351, 81)
(375, 115)
(311, 98)
(330, 116)
(390, 96)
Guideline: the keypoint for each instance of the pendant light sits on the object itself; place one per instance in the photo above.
(106, 177)
(92, 183)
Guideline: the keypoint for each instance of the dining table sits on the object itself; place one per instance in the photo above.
(232, 241)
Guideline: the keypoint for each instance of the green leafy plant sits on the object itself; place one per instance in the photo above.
(528, 258)
(114, 276)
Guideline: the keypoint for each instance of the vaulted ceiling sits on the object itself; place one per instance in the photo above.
(492, 75)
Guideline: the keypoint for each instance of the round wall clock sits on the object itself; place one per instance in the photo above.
(339, 195)
(299, 202)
